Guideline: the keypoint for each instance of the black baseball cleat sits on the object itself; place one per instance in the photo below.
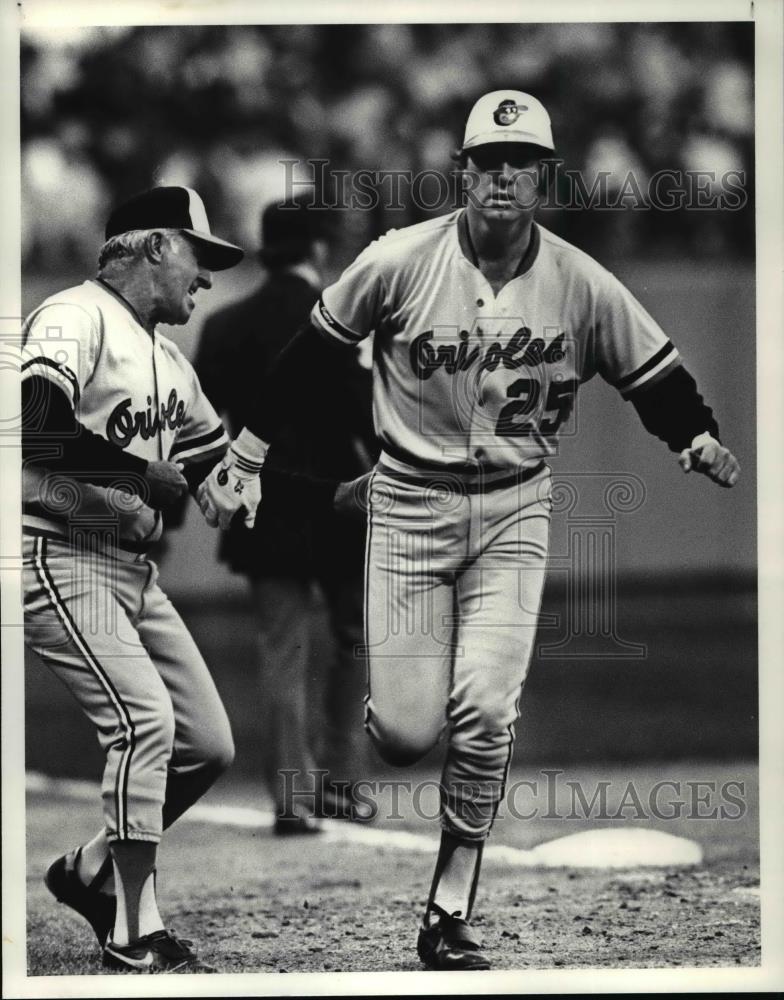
(160, 951)
(450, 944)
(98, 908)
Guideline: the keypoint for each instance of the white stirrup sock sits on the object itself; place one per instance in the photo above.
(456, 876)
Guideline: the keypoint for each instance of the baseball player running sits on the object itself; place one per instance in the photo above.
(485, 326)
(115, 428)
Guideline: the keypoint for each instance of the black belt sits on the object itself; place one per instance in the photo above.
(449, 479)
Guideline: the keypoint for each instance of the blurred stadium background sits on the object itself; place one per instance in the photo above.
(106, 112)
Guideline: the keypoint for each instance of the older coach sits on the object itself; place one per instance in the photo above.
(115, 428)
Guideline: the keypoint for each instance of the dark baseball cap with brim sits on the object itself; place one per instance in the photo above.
(175, 208)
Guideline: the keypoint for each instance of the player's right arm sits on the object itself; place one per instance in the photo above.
(55, 368)
(345, 314)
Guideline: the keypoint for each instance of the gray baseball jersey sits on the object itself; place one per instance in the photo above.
(136, 390)
(94, 612)
(465, 378)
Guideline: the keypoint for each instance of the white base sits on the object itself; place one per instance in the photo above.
(617, 847)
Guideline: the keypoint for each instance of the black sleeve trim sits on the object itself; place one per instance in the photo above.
(294, 371)
(659, 356)
(333, 324)
(672, 409)
(62, 370)
(198, 442)
(52, 437)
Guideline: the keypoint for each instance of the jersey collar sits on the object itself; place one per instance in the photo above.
(123, 301)
(526, 261)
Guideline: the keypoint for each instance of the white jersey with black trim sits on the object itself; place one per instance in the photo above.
(467, 379)
(133, 387)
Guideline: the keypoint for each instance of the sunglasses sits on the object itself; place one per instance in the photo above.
(493, 156)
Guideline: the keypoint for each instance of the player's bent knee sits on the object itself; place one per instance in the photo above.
(399, 749)
(217, 753)
(222, 756)
(396, 739)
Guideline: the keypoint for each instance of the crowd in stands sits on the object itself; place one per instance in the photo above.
(106, 112)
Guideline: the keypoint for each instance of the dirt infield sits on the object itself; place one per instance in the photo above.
(311, 905)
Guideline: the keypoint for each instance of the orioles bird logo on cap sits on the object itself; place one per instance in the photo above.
(508, 112)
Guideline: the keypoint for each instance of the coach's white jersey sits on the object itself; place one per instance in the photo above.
(134, 388)
(465, 378)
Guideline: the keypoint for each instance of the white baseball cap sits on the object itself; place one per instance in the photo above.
(508, 116)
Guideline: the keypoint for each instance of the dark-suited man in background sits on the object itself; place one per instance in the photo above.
(286, 557)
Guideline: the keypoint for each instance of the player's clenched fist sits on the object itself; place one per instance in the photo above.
(165, 482)
(234, 483)
(708, 456)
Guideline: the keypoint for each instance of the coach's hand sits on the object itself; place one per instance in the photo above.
(234, 483)
(708, 456)
(166, 484)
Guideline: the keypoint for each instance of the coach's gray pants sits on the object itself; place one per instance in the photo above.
(454, 583)
(110, 634)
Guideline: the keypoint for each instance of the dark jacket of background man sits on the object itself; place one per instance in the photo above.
(331, 435)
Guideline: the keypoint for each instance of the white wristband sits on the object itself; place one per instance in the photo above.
(250, 450)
